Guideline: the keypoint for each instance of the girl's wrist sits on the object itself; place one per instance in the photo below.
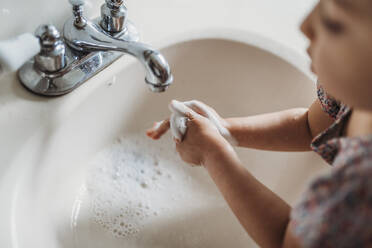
(220, 152)
(229, 125)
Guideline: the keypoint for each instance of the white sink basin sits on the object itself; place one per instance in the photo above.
(46, 205)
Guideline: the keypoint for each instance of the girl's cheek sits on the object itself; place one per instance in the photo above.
(335, 74)
(326, 66)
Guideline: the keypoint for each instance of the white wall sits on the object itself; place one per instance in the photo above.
(278, 19)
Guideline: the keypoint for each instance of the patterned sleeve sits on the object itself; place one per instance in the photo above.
(330, 105)
(336, 211)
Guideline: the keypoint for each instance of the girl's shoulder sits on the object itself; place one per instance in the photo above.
(336, 209)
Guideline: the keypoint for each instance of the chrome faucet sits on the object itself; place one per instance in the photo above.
(90, 47)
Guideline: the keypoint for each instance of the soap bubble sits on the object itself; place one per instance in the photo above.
(130, 184)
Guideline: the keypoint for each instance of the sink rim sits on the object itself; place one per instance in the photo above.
(298, 60)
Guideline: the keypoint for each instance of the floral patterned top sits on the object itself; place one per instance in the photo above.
(336, 210)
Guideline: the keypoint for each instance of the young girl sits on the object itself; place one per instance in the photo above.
(336, 210)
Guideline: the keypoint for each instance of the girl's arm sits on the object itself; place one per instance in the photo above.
(263, 214)
(288, 130)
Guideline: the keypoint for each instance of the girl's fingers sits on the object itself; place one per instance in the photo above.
(181, 113)
(180, 109)
(158, 129)
(197, 106)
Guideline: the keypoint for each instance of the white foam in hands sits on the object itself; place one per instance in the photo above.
(178, 119)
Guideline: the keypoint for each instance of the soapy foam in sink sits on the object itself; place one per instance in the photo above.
(136, 181)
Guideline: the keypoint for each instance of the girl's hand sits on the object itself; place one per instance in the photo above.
(202, 141)
(160, 128)
(202, 138)
(203, 109)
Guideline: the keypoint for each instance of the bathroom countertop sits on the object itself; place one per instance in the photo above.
(160, 23)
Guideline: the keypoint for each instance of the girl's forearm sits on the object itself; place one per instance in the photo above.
(261, 212)
(280, 131)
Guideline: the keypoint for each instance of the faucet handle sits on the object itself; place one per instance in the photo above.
(113, 16)
(77, 10)
(52, 55)
(115, 3)
(77, 2)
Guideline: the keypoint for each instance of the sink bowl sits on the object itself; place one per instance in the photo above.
(51, 181)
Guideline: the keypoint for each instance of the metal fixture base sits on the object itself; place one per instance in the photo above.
(80, 68)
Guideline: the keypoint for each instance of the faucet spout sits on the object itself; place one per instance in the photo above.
(91, 37)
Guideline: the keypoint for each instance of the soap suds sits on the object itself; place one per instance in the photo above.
(136, 181)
